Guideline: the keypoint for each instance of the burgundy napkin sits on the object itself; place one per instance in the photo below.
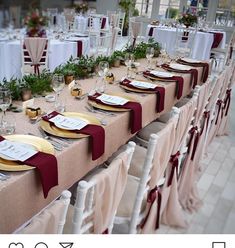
(179, 82)
(205, 66)
(136, 111)
(46, 164)
(217, 39)
(193, 72)
(79, 48)
(160, 92)
(96, 133)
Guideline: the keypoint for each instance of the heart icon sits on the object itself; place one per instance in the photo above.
(16, 245)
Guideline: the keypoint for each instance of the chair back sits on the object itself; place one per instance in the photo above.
(34, 55)
(99, 194)
(121, 22)
(15, 12)
(184, 41)
(51, 219)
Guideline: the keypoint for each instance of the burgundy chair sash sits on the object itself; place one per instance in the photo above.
(154, 194)
(192, 132)
(151, 31)
(217, 39)
(227, 101)
(36, 68)
(79, 48)
(219, 103)
(175, 164)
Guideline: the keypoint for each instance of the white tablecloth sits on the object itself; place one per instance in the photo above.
(59, 52)
(202, 44)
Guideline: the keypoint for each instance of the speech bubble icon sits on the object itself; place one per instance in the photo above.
(40, 245)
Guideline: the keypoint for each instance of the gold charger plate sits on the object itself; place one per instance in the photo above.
(137, 90)
(52, 129)
(37, 143)
(109, 107)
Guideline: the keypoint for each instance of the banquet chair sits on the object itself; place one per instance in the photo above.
(50, 220)
(15, 12)
(135, 31)
(34, 55)
(184, 41)
(146, 175)
(222, 56)
(172, 213)
(69, 18)
(121, 22)
(98, 196)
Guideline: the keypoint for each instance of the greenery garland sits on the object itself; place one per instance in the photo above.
(83, 67)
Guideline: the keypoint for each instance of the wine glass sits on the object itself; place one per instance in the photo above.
(5, 102)
(129, 59)
(149, 56)
(103, 68)
(58, 84)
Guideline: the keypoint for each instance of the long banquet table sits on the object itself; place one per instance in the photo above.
(59, 52)
(22, 197)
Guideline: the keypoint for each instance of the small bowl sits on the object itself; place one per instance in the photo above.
(50, 98)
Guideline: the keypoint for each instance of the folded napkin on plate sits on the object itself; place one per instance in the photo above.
(136, 111)
(193, 72)
(46, 164)
(160, 92)
(179, 82)
(96, 133)
(205, 66)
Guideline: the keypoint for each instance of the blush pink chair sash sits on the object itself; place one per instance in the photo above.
(47, 222)
(108, 192)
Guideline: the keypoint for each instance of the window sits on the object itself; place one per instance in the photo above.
(225, 14)
(199, 7)
(144, 7)
(169, 8)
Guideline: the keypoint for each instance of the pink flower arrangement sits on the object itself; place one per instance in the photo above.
(188, 19)
(35, 24)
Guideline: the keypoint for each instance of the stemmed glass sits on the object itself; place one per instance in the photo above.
(5, 102)
(58, 84)
(149, 56)
(129, 59)
(103, 68)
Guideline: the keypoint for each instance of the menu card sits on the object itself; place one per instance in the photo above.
(144, 85)
(113, 100)
(68, 122)
(15, 150)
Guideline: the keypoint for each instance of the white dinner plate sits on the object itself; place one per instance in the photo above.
(189, 60)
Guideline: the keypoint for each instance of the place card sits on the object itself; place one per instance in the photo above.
(161, 74)
(15, 151)
(144, 85)
(68, 122)
(113, 100)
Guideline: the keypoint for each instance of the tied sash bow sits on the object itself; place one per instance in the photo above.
(152, 196)
(192, 131)
(175, 164)
(36, 68)
(227, 101)
(219, 103)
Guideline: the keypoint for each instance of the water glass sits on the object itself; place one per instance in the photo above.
(149, 56)
(58, 84)
(5, 102)
(129, 59)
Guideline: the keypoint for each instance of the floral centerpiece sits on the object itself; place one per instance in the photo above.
(81, 8)
(188, 19)
(35, 24)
